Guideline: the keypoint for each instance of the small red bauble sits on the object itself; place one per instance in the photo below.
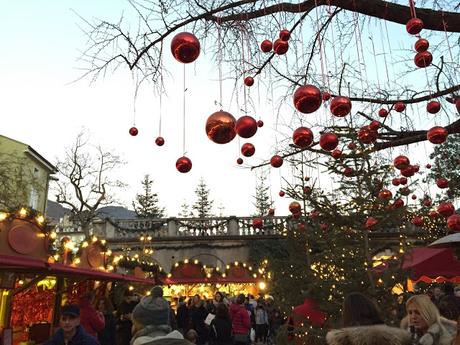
(260, 123)
(183, 164)
(414, 197)
(437, 135)
(428, 166)
(417, 221)
(433, 214)
(385, 194)
(421, 45)
(375, 125)
(249, 81)
(307, 178)
(247, 149)
(328, 141)
(442, 183)
(271, 211)
(314, 214)
(414, 26)
(280, 47)
(408, 172)
(453, 222)
(285, 34)
(324, 226)
(160, 141)
(395, 182)
(326, 96)
(433, 107)
(404, 191)
(371, 222)
(403, 180)
(427, 202)
(367, 135)
(401, 162)
(257, 223)
(348, 171)
(294, 207)
(416, 168)
(239, 161)
(185, 47)
(340, 106)
(133, 131)
(446, 209)
(336, 154)
(302, 137)
(276, 161)
(398, 203)
(266, 46)
(383, 112)
(307, 99)
(220, 127)
(281, 193)
(423, 59)
(297, 215)
(246, 126)
(307, 190)
(399, 107)
(352, 146)
(301, 227)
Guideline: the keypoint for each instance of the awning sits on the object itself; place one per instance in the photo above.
(432, 263)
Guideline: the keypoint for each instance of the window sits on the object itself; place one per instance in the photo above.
(33, 199)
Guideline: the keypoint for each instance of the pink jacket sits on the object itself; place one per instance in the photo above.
(90, 319)
(241, 322)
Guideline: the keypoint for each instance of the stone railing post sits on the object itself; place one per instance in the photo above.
(172, 227)
(232, 226)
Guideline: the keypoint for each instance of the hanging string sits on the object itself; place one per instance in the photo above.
(183, 115)
(136, 89)
(318, 28)
(412, 9)
(384, 55)
(162, 89)
(448, 45)
(244, 70)
(219, 62)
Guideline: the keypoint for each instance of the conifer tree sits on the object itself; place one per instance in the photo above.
(146, 204)
(262, 198)
(203, 205)
(185, 210)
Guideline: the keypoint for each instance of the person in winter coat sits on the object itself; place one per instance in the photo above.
(363, 325)
(107, 335)
(182, 318)
(241, 322)
(90, 319)
(198, 314)
(124, 312)
(426, 324)
(221, 326)
(261, 320)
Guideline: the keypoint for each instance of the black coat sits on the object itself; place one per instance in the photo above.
(182, 317)
(221, 331)
(80, 338)
(107, 335)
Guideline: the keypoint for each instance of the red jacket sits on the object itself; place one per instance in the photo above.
(90, 319)
(241, 322)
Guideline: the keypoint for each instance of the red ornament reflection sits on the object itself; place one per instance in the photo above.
(276, 161)
(385, 194)
(183, 164)
(375, 125)
(302, 137)
(423, 59)
(266, 46)
(160, 141)
(307, 99)
(340, 106)
(220, 127)
(398, 203)
(133, 131)
(185, 47)
(246, 126)
(328, 141)
(408, 172)
(437, 135)
(248, 149)
(280, 47)
(414, 26)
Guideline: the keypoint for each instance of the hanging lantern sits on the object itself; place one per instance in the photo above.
(371, 222)
(307, 99)
(281, 193)
(446, 209)
(433, 107)
(239, 161)
(401, 162)
(399, 107)
(328, 141)
(220, 127)
(302, 137)
(133, 131)
(248, 149)
(423, 59)
(453, 222)
(336, 154)
(280, 47)
(246, 126)
(442, 183)
(421, 45)
(414, 26)
(398, 203)
(367, 135)
(285, 34)
(183, 164)
(340, 106)
(185, 47)
(437, 135)
(260, 123)
(276, 161)
(266, 46)
(417, 221)
(160, 141)
(257, 223)
(385, 194)
(383, 112)
(326, 96)
(294, 207)
(249, 81)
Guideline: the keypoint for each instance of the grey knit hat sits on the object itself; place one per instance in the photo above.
(156, 291)
(152, 311)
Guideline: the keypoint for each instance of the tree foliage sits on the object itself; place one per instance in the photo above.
(202, 208)
(262, 198)
(146, 204)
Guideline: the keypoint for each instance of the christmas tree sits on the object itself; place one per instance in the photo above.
(146, 204)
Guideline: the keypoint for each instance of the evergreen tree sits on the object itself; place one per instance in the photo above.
(262, 198)
(203, 206)
(146, 204)
(185, 210)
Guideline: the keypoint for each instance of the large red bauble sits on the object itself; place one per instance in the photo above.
(302, 137)
(398, 203)
(433, 107)
(266, 46)
(328, 141)
(385, 194)
(239, 161)
(421, 45)
(257, 223)
(185, 47)
(280, 47)
(423, 59)
(246, 126)
(383, 112)
(160, 141)
(401, 162)
(294, 207)
(249, 81)
(374, 125)
(408, 172)
(340, 106)
(248, 149)
(260, 123)
(414, 26)
(367, 135)
(307, 99)
(183, 164)
(371, 222)
(133, 131)
(453, 222)
(395, 182)
(399, 107)
(276, 161)
(437, 135)
(442, 183)
(220, 127)
(446, 209)
(336, 154)
(417, 221)
(281, 193)
(285, 34)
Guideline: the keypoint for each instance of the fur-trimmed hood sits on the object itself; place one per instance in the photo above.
(436, 335)
(368, 335)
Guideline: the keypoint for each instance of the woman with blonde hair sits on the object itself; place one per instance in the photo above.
(426, 325)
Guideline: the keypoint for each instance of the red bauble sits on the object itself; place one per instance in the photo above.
(385, 194)
(403, 180)
(398, 203)
(433, 214)
(423, 59)
(414, 26)
(302, 137)
(328, 141)
(367, 135)
(414, 197)
(383, 112)
(371, 222)
(307, 178)
(281, 193)
(417, 221)
(260, 123)
(453, 222)
(421, 45)
(340, 106)
(266, 46)
(437, 135)
(249, 81)
(239, 161)
(433, 107)
(257, 223)
(375, 125)
(326, 96)
(247, 149)
(271, 211)
(395, 182)
(133, 131)
(442, 183)
(280, 47)
(427, 202)
(276, 161)
(401, 162)
(220, 127)
(351, 146)
(307, 190)
(285, 34)
(184, 164)
(160, 141)
(314, 214)
(408, 172)
(428, 166)
(324, 226)
(446, 209)
(457, 104)
(185, 47)
(348, 171)
(246, 126)
(336, 154)
(416, 168)
(307, 99)
(294, 207)
(399, 107)
(404, 191)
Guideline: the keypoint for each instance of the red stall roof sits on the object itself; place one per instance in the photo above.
(432, 263)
